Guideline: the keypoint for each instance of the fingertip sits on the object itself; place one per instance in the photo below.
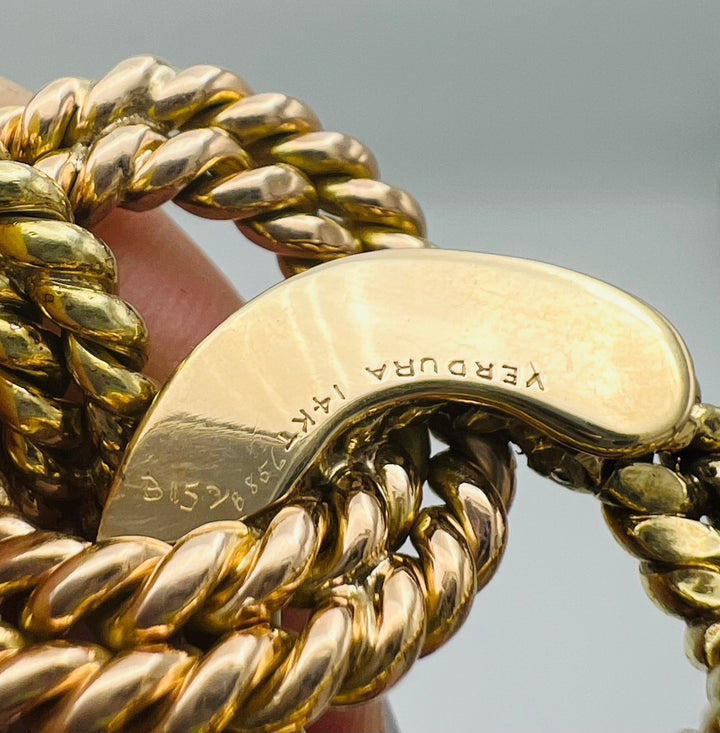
(11, 93)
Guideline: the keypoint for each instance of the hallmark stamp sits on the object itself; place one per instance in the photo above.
(524, 376)
(307, 417)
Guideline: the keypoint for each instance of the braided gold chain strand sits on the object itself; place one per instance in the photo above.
(663, 509)
(141, 136)
(56, 269)
(370, 604)
(151, 641)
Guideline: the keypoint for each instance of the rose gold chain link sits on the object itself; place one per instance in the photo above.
(146, 134)
(377, 605)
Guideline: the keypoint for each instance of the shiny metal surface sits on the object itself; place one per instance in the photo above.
(63, 279)
(343, 371)
(301, 368)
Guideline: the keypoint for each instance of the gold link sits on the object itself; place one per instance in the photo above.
(477, 435)
(578, 470)
(702, 644)
(375, 238)
(360, 532)
(251, 193)
(101, 183)
(40, 472)
(650, 488)
(86, 580)
(24, 558)
(216, 691)
(37, 674)
(668, 539)
(478, 509)
(10, 297)
(301, 235)
(706, 420)
(112, 385)
(123, 688)
(195, 90)
(448, 572)
(687, 592)
(10, 117)
(11, 641)
(25, 191)
(59, 245)
(321, 654)
(91, 313)
(176, 163)
(13, 524)
(414, 440)
(110, 434)
(707, 470)
(38, 417)
(46, 117)
(327, 154)
(63, 167)
(179, 585)
(494, 459)
(453, 423)
(127, 90)
(36, 353)
(265, 115)
(388, 629)
(372, 202)
(400, 484)
(270, 573)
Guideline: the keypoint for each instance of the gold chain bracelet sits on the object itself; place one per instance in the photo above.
(299, 481)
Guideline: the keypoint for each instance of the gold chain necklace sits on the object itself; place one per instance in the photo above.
(320, 445)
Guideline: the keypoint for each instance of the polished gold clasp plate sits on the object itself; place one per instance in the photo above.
(256, 401)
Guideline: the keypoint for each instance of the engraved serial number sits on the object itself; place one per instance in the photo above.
(526, 376)
(186, 495)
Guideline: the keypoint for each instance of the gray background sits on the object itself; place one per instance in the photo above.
(579, 133)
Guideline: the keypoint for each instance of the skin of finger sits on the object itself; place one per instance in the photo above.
(180, 293)
(182, 297)
(11, 93)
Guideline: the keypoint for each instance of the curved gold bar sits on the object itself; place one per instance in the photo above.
(582, 361)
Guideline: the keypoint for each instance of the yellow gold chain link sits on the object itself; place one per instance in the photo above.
(102, 635)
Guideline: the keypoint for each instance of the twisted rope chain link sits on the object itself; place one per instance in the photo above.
(374, 610)
(663, 509)
(206, 653)
(143, 135)
(58, 271)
